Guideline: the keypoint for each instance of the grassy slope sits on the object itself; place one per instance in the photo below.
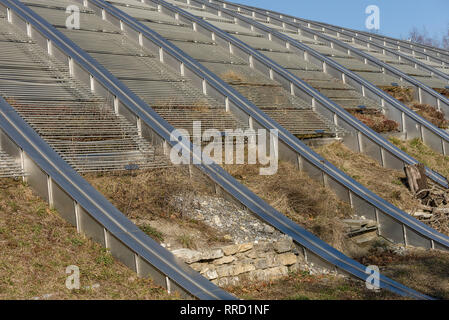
(423, 270)
(426, 272)
(424, 154)
(38, 245)
(146, 198)
(428, 112)
(300, 198)
(302, 286)
(386, 183)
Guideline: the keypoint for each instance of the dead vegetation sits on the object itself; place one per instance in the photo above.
(434, 202)
(38, 246)
(201, 105)
(386, 183)
(300, 198)
(418, 150)
(303, 286)
(147, 199)
(233, 77)
(389, 184)
(404, 94)
(426, 271)
(376, 121)
(431, 114)
(428, 112)
(444, 92)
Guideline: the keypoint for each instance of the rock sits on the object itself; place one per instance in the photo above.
(359, 223)
(286, 259)
(245, 247)
(228, 281)
(197, 266)
(276, 272)
(252, 254)
(224, 260)
(365, 237)
(422, 214)
(242, 268)
(262, 263)
(256, 275)
(294, 267)
(283, 245)
(211, 274)
(263, 247)
(268, 229)
(237, 248)
(187, 255)
(225, 271)
(240, 225)
(230, 250)
(212, 254)
(227, 237)
(217, 221)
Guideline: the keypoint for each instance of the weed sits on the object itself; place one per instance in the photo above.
(367, 171)
(105, 258)
(377, 121)
(186, 241)
(152, 232)
(288, 191)
(77, 242)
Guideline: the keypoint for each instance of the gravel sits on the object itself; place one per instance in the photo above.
(237, 224)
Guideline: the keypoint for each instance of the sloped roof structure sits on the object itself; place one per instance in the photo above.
(106, 95)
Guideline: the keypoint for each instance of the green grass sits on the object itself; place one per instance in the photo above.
(417, 149)
(186, 241)
(38, 245)
(152, 232)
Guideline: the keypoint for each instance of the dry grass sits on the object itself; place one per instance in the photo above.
(423, 270)
(300, 198)
(403, 94)
(302, 286)
(38, 245)
(199, 105)
(233, 77)
(146, 198)
(145, 193)
(376, 121)
(386, 183)
(444, 92)
(428, 112)
(431, 114)
(417, 149)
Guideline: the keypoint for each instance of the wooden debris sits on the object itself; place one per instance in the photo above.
(422, 214)
(417, 180)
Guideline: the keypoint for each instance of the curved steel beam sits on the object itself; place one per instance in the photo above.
(331, 176)
(87, 209)
(439, 53)
(426, 94)
(80, 61)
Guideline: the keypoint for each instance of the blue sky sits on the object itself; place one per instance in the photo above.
(397, 17)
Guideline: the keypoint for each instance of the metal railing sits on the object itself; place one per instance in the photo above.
(412, 124)
(361, 199)
(156, 128)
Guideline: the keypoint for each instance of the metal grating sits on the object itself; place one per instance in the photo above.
(77, 124)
